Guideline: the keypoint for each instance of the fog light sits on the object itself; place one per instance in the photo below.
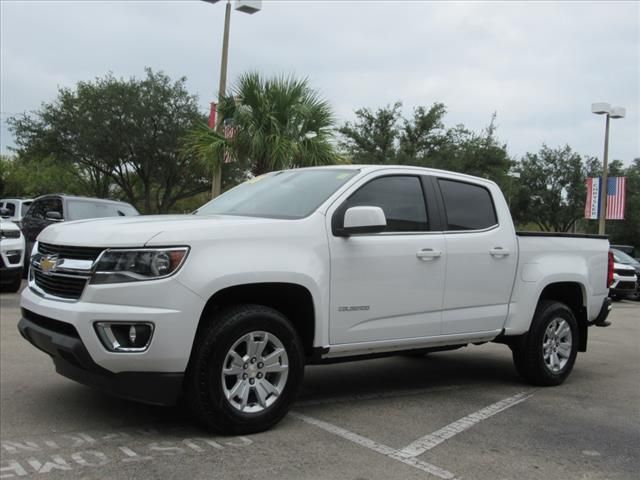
(125, 337)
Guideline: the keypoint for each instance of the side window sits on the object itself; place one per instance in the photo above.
(54, 205)
(11, 207)
(468, 206)
(37, 210)
(400, 197)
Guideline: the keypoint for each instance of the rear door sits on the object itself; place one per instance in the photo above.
(481, 258)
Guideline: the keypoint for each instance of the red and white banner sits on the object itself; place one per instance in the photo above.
(593, 199)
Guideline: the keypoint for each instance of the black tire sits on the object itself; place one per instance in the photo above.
(204, 388)
(528, 351)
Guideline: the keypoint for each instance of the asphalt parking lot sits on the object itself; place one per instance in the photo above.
(462, 414)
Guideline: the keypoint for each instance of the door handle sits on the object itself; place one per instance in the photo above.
(499, 252)
(428, 254)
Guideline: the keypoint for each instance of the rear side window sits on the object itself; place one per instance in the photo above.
(468, 206)
(401, 200)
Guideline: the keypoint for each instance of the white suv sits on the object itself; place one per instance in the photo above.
(11, 255)
(17, 208)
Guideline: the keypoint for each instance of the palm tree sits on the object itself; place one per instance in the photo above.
(279, 123)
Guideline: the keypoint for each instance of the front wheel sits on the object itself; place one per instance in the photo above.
(246, 370)
(546, 354)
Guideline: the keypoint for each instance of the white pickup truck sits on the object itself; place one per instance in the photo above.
(225, 307)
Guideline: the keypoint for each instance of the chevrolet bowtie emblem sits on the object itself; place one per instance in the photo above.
(48, 263)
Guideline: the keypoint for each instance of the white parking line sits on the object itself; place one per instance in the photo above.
(375, 446)
(376, 395)
(436, 438)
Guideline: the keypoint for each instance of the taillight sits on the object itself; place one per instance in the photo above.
(610, 270)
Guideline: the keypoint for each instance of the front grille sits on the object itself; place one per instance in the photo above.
(626, 286)
(63, 251)
(63, 328)
(625, 273)
(59, 285)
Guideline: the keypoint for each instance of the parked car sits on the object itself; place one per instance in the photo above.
(17, 208)
(626, 278)
(315, 265)
(12, 250)
(49, 209)
(628, 249)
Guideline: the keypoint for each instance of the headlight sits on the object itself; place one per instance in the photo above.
(134, 265)
(9, 233)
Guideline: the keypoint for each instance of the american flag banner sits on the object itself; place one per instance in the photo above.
(230, 131)
(616, 198)
(616, 189)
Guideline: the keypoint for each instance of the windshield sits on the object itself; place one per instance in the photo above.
(289, 194)
(81, 209)
(620, 257)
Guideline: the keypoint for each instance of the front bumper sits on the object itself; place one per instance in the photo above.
(61, 341)
(173, 309)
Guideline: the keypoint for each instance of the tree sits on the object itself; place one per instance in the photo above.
(625, 231)
(31, 177)
(383, 136)
(278, 123)
(121, 137)
(551, 189)
(372, 138)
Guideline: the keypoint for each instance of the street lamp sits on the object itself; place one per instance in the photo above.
(611, 112)
(245, 6)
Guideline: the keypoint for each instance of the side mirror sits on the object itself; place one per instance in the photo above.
(4, 212)
(53, 216)
(363, 220)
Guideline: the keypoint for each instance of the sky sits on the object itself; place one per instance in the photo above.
(538, 65)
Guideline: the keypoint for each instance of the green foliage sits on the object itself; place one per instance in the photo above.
(551, 190)
(120, 137)
(280, 123)
(383, 136)
(628, 231)
(372, 138)
(31, 177)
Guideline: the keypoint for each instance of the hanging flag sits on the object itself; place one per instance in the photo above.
(212, 115)
(616, 189)
(593, 199)
(229, 133)
(615, 198)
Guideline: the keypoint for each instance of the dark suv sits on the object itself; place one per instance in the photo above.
(50, 209)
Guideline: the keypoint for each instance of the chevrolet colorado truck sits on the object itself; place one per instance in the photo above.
(224, 307)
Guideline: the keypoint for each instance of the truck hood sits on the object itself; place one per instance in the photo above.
(136, 231)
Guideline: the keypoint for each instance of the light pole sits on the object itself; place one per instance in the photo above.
(610, 112)
(246, 6)
(511, 175)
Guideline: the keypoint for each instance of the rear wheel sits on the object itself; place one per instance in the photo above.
(246, 370)
(547, 353)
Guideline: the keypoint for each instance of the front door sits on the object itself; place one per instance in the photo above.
(387, 285)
